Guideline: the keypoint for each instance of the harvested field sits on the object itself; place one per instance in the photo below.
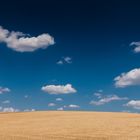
(69, 125)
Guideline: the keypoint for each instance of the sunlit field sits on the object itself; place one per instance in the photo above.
(62, 125)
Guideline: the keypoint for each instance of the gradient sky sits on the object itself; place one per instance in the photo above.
(95, 42)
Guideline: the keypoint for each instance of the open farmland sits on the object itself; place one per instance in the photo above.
(68, 125)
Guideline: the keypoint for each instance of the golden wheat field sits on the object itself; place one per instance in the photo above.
(69, 125)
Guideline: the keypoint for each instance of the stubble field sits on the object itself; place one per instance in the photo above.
(69, 125)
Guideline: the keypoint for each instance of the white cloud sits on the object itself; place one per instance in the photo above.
(137, 46)
(59, 99)
(65, 106)
(108, 99)
(134, 104)
(127, 79)
(3, 34)
(51, 104)
(59, 89)
(73, 106)
(29, 110)
(26, 96)
(21, 42)
(98, 95)
(10, 109)
(100, 90)
(60, 109)
(4, 90)
(6, 102)
(60, 62)
(126, 111)
(32, 110)
(67, 60)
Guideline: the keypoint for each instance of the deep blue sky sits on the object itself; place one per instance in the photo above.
(94, 34)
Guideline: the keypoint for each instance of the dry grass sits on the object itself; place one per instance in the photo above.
(61, 125)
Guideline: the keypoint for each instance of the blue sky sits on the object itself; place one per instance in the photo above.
(66, 56)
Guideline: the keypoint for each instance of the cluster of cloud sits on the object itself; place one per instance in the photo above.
(12, 109)
(8, 109)
(131, 77)
(4, 90)
(127, 79)
(67, 60)
(21, 42)
(134, 104)
(54, 104)
(59, 89)
(71, 106)
(136, 45)
(107, 99)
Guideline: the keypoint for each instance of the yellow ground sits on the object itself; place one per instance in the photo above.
(61, 125)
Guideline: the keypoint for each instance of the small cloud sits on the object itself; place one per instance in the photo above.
(134, 104)
(21, 42)
(51, 104)
(68, 59)
(60, 109)
(59, 99)
(65, 106)
(10, 109)
(73, 106)
(100, 90)
(59, 89)
(26, 96)
(136, 45)
(108, 99)
(65, 60)
(98, 95)
(126, 111)
(4, 90)
(6, 102)
(128, 79)
(32, 110)
(60, 62)
(29, 110)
